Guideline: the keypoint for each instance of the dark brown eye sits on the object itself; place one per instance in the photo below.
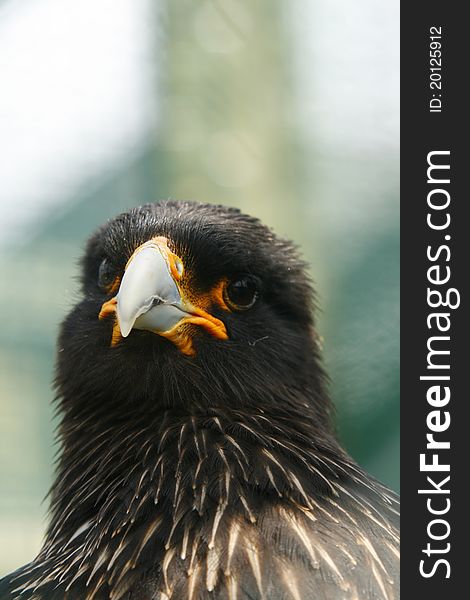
(241, 293)
(106, 274)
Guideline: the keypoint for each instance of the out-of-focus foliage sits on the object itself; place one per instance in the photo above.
(286, 110)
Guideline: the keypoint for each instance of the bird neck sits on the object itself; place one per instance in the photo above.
(114, 473)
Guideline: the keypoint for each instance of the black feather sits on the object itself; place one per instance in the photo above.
(212, 476)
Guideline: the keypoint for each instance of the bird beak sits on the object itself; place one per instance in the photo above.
(150, 298)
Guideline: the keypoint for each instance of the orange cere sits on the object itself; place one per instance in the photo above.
(162, 244)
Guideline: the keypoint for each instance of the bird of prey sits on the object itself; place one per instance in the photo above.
(197, 458)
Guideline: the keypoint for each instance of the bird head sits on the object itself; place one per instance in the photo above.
(194, 415)
(193, 304)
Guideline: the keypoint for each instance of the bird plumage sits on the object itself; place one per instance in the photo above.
(216, 475)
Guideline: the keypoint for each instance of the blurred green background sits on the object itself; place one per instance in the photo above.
(288, 110)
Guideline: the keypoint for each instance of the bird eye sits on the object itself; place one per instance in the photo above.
(106, 274)
(241, 293)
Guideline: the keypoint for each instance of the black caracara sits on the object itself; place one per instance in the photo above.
(197, 458)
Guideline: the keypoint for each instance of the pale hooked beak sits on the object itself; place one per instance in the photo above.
(150, 298)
